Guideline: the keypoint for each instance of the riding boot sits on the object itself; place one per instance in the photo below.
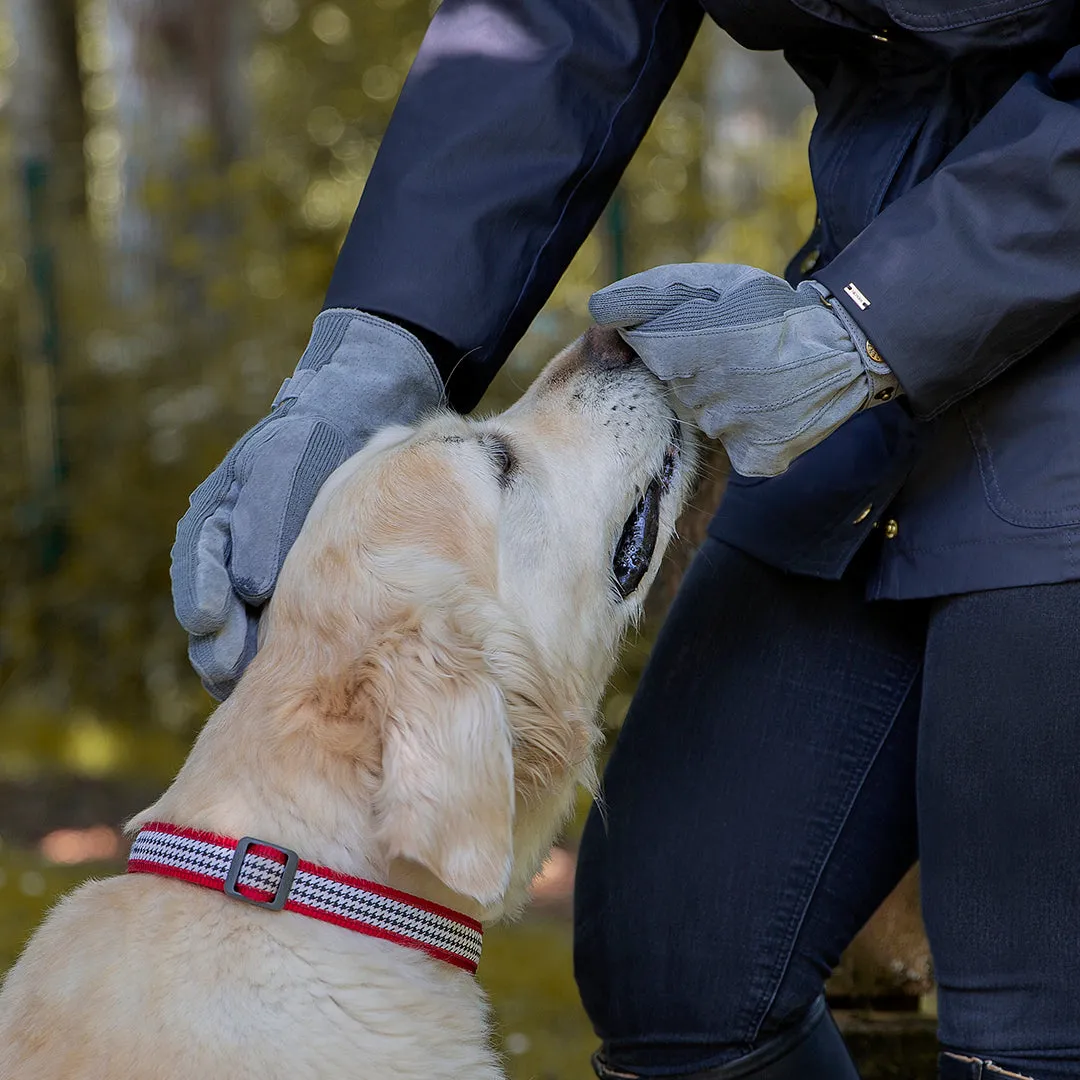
(811, 1050)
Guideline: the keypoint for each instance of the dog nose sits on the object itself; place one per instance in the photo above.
(605, 350)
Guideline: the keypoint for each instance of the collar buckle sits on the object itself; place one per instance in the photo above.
(218, 862)
(288, 872)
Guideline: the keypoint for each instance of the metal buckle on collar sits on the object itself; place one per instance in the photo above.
(288, 872)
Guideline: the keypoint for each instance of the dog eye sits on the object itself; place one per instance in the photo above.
(502, 457)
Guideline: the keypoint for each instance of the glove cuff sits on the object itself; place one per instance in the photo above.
(354, 339)
(333, 325)
(882, 384)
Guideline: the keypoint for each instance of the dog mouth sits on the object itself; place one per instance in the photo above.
(637, 543)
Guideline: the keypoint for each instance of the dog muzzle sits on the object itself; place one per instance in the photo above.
(277, 879)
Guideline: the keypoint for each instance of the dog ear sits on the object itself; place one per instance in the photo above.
(447, 794)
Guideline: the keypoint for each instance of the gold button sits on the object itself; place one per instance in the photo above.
(873, 353)
(891, 529)
(863, 515)
(885, 394)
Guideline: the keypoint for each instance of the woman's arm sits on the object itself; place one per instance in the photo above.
(980, 263)
(511, 132)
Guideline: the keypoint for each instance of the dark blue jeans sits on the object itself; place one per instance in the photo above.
(790, 752)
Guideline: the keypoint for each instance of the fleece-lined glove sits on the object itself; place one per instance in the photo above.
(358, 373)
(768, 370)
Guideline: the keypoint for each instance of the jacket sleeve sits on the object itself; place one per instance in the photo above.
(980, 263)
(510, 134)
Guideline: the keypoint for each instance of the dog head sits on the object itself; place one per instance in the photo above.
(453, 606)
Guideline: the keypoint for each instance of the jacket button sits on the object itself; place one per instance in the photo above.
(892, 527)
(863, 514)
(884, 394)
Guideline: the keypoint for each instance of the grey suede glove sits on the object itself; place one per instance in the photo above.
(358, 373)
(768, 370)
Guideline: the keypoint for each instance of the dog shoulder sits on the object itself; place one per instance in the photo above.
(68, 975)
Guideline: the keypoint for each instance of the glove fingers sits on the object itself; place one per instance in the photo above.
(687, 341)
(755, 452)
(202, 588)
(202, 591)
(761, 301)
(646, 295)
(681, 354)
(270, 508)
(220, 659)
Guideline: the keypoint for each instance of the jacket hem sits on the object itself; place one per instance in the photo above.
(1045, 557)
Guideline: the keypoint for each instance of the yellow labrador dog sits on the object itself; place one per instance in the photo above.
(391, 770)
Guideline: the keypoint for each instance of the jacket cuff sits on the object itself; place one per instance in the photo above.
(876, 320)
(882, 384)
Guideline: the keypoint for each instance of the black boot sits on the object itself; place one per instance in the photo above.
(812, 1050)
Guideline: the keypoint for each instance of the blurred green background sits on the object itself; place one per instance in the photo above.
(175, 179)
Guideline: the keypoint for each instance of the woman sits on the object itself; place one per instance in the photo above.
(873, 656)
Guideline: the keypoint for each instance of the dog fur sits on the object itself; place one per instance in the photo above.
(420, 712)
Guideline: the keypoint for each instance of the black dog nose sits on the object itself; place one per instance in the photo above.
(605, 349)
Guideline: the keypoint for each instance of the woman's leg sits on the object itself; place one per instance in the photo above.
(758, 806)
(999, 809)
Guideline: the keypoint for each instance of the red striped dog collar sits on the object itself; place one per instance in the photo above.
(274, 877)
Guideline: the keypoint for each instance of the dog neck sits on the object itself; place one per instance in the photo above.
(263, 766)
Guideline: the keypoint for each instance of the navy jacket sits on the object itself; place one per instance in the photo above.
(946, 166)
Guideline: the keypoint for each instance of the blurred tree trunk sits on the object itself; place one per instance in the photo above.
(183, 114)
(48, 127)
(48, 121)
